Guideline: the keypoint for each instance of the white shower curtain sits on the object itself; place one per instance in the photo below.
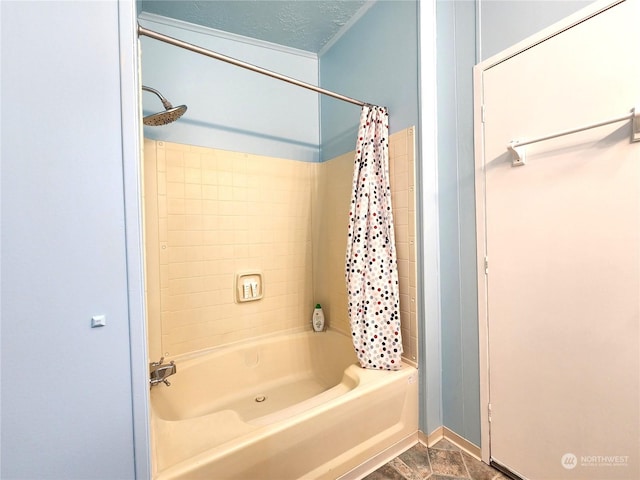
(371, 267)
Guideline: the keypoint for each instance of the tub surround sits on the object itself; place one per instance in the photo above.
(211, 214)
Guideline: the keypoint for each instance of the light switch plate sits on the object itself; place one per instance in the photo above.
(98, 321)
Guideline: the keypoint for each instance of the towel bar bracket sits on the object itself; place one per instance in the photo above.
(635, 134)
(518, 155)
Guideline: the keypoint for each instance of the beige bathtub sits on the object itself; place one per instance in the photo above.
(285, 407)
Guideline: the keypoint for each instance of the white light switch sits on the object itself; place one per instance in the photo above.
(98, 321)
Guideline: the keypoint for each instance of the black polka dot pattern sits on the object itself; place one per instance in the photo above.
(371, 266)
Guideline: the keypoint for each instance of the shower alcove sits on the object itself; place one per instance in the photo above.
(237, 185)
(210, 213)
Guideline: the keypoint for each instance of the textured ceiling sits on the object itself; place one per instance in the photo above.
(304, 24)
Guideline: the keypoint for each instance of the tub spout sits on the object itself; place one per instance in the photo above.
(158, 372)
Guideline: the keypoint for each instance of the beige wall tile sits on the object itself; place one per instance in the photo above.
(222, 218)
(174, 173)
(402, 178)
(222, 212)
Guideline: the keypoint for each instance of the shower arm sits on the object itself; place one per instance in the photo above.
(165, 102)
(218, 56)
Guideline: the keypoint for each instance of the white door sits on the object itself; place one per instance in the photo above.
(562, 237)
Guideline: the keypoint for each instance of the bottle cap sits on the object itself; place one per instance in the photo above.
(318, 305)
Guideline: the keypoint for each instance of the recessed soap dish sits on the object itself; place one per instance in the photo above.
(248, 287)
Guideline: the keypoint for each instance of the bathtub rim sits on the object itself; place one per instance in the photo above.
(194, 355)
(257, 340)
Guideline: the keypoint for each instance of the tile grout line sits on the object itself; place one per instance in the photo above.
(429, 462)
(466, 467)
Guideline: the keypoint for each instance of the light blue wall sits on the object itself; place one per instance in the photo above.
(375, 61)
(456, 54)
(229, 107)
(66, 400)
(502, 24)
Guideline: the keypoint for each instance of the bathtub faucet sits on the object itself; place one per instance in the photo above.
(158, 372)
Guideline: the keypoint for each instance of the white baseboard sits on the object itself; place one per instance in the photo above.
(396, 449)
(443, 432)
(432, 438)
(380, 459)
(464, 444)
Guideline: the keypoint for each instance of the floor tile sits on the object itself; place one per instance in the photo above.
(443, 461)
(477, 469)
(417, 458)
(447, 462)
(501, 476)
(435, 476)
(403, 469)
(385, 472)
(445, 444)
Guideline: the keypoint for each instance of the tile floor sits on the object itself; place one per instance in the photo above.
(443, 461)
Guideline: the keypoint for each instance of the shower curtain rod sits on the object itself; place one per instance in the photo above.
(218, 56)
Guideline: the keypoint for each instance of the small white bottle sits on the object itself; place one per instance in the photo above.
(318, 319)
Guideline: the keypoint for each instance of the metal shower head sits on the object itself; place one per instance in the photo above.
(171, 113)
